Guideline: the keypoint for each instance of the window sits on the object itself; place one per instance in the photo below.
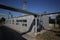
(12, 21)
(21, 20)
(24, 20)
(18, 20)
(17, 23)
(24, 24)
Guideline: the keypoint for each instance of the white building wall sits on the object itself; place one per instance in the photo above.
(30, 18)
(45, 21)
(19, 27)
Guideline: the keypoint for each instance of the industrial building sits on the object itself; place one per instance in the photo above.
(28, 24)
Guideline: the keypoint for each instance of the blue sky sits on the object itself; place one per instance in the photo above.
(35, 6)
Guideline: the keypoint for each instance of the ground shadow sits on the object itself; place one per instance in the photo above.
(9, 34)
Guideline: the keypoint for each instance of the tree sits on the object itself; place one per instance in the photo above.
(2, 20)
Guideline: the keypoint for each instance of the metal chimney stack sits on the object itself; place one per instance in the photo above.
(24, 5)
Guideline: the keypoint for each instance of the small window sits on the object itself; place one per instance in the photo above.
(12, 21)
(24, 20)
(24, 24)
(21, 20)
(17, 23)
(18, 20)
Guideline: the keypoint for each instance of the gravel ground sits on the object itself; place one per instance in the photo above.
(49, 35)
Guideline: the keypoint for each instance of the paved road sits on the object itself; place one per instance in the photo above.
(9, 34)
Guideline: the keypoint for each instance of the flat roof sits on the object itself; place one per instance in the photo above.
(20, 16)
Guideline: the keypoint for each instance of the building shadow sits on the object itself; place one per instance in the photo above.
(9, 34)
(32, 25)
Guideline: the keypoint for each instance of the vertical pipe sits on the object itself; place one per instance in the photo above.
(36, 24)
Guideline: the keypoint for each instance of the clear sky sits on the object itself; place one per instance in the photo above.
(35, 6)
